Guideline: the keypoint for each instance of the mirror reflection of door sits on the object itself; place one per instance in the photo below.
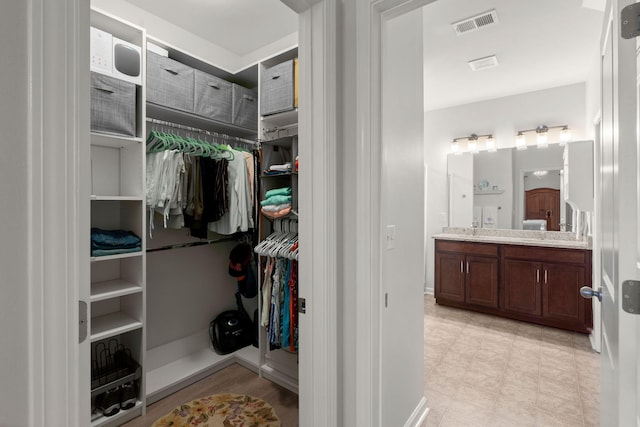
(544, 203)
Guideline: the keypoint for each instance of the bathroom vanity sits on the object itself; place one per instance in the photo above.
(533, 276)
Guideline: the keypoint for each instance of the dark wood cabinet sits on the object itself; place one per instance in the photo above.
(481, 286)
(561, 301)
(522, 291)
(450, 276)
(530, 283)
(467, 273)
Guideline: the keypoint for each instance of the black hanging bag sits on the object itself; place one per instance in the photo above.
(231, 330)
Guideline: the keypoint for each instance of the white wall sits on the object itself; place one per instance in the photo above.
(15, 372)
(502, 117)
(402, 206)
(460, 182)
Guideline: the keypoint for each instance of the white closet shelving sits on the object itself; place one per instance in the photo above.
(117, 296)
(146, 301)
(279, 137)
(180, 355)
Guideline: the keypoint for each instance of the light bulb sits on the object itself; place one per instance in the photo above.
(472, 146)
(521, 141)
(565, 135)
(542, 140)
(455, 147)
(491, 144)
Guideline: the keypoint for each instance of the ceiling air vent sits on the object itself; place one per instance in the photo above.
(475, 22)
(484, 63)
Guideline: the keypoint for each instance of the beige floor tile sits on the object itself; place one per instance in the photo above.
(561, 374)
(516, 394)
(554, 389)
(545, 419)
(483, 370)
(564, 410)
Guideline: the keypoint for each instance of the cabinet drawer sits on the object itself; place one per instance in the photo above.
(277, 89)
(536, 253)
(169, 83)
(245, 107)
(488, 249)
(113, 105)
(212, 97)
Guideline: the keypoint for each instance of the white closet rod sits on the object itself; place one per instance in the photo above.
(200, 243)
(202, 131)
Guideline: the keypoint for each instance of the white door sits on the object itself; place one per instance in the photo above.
(618, 223)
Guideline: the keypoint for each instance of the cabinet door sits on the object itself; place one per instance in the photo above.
(482, 281)
(522, 292)
(449, 276)
(561, 292)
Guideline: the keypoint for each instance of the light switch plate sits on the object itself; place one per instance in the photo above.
(391, 237)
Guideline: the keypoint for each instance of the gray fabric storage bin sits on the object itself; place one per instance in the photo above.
(245, 107)
(169, 83)
(113, 105)
(212, 98)
(276, 91)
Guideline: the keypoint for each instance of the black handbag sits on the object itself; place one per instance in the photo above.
(231, 330)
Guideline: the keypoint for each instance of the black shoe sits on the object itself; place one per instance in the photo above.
(128, 395)
(109, 402)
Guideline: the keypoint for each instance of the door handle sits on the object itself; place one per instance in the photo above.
(537, 275)
(461, 266)
(589, 292)
(546, 274)
(467, 267)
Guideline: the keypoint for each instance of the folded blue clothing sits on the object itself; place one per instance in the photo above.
(106, 239)
(105, 252)
(284, 191)
(276, 200)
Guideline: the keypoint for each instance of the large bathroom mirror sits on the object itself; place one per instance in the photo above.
(509, 189)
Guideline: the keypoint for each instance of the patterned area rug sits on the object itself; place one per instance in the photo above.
(222, 410)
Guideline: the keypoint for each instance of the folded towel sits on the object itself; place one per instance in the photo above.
(281, 168)
(278, 214)
(284, 191)
(276, 200)
(275, 208)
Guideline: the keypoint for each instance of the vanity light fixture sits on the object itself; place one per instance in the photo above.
(542, 136)
(473, 143)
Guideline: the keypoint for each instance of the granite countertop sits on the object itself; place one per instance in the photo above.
(555, 239)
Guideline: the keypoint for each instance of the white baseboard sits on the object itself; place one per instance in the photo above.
(419, 414)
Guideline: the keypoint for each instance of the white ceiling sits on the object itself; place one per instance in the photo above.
(239, 26)
(539, 44)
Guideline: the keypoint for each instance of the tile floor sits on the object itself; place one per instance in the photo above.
(487, 371)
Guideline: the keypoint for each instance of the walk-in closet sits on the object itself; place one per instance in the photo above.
(194, 206)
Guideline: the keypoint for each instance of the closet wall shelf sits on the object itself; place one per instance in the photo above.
(166, 379)
(276, 175)
(483, 192)
(121, 417)
(112, 289)
(112, 324)
(113, 141)
(286, 118)
(118, 256)
(188, 119)
(117, 198)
